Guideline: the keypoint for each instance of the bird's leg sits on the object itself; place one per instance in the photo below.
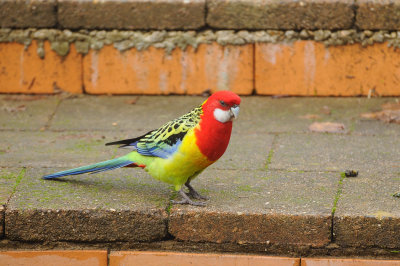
(193, 193)
(187, 200)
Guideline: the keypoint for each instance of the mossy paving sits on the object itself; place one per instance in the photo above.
(271, 151)
(18, 179)
(338, 192)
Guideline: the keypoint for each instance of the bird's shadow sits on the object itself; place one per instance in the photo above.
(126, 186)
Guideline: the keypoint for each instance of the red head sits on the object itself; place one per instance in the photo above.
(216, 123)
(224, 106)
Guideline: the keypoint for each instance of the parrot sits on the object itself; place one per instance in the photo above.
(180, 150)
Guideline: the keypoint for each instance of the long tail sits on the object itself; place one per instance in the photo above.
(93, 168)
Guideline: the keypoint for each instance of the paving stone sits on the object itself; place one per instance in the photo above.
(32, 14)
(293, 114)
(57, 149)
(331, 152)
(367, 214)
(376, 127)
(378, 15)
(284, 14)
(23, 112)
(8, 182)
(121, 205)
(258, 207)
(55, 257)
(246, 151)
(116, 114)
(134, 14)
(196, 259)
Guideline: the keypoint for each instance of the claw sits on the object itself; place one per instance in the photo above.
(187, 200)
(193, 193)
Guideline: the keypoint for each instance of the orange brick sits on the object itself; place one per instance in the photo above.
(183, 259)
(309, 68)
(153, 71)
(348, 262)
(23, 71)
(59, 258)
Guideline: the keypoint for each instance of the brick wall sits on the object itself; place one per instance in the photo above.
(310, 48)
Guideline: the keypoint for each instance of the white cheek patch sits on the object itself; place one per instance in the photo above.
(222, 115)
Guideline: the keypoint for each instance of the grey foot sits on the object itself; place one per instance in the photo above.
(193, 193)
(187, 200)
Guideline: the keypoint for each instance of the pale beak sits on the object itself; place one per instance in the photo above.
(235, 111)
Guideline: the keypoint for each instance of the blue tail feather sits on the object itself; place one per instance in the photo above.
(94, 168)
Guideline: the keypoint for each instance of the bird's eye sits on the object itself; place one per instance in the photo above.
(222, 103)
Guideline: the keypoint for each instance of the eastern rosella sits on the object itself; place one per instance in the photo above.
(181, 149)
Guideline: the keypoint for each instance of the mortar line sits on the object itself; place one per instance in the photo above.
(168, 208)
(335, 201)
(20, 175)
(4, 220)
(354, 7)
(254, 92)
(51, 116)
(57, 26)
(271, 151)
(108, 256)
(205, 13)
(83, 75)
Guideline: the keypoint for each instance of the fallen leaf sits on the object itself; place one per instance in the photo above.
(309, 116)
(390, 113)
(388, 116)
(132, 101)
(327, 127)
(326, 110)
(19, 108)
(206, 93)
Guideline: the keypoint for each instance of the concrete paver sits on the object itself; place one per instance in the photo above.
(119, 206)
(307, 14)
(21, 14)
(246, 152)
(255, 206)
(25, 113)
(375, 14)
(66, 149)
(103, 113)
(141, 14)
(367, 214)
(9, 177)
(291, 114)
(331, 152)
